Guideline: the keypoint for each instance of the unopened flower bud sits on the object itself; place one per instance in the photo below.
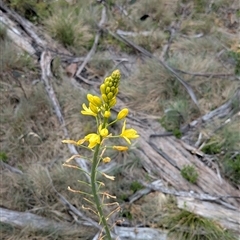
(106, 159)
(122, 114)
(104, 132)
(107, 114)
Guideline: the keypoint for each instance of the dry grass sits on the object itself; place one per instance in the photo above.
(153, 88)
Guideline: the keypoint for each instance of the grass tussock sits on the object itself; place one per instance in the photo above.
(185, 225)
(33, 190)
(11, 56)
(225, 144)
(70, 28)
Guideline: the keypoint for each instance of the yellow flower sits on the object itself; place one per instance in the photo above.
(93, 108)
(122, 114)
(128, 134)
(106, 159)
(88, 111)
(95, 100)
(120, 148)
(93, 139)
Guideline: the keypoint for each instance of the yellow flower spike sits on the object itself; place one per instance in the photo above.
(128, 134)
(120, 148)
(93, 139)
(88, 111)
(122, 114)
(106, 159)
(107, 114)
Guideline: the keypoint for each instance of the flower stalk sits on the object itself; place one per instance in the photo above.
(100, 109)
(96, 199)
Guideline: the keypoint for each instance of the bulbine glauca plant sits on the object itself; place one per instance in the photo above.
(96, 142)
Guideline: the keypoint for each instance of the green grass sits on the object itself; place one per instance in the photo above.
(13, 58)
(3, 157)
(189, 173)
(185, 225)
(32, 10)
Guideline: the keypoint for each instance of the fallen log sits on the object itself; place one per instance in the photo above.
(26, 219)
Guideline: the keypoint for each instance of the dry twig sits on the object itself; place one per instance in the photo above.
(94, 47)
(45, 63)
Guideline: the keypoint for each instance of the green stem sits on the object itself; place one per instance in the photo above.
(95, 193)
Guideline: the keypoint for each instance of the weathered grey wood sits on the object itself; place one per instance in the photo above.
(14, 33)
(26, 35)
(229, 219)
(45, 63)
(131, 233)
(26, 219)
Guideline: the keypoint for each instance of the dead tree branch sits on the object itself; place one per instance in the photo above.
(45, 63)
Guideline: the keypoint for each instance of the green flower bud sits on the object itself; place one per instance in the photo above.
(107, 90)
(113, 88)
(104, 97)
(116, 75)
(112, 102)
(110, 95)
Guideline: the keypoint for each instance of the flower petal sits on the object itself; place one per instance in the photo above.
(87, 111)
